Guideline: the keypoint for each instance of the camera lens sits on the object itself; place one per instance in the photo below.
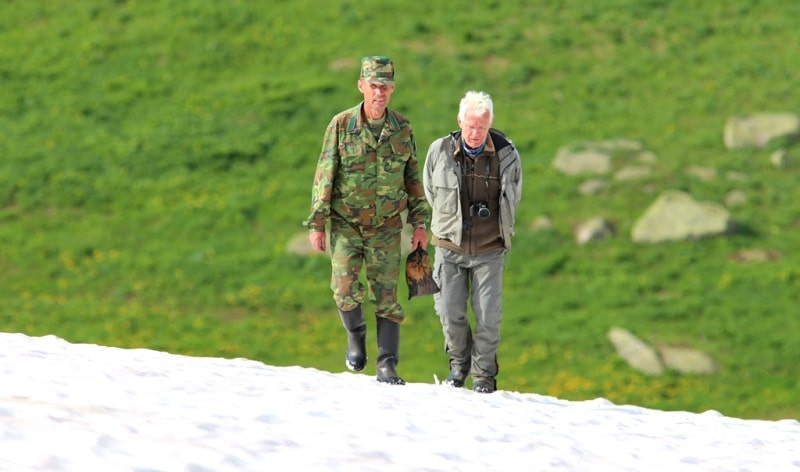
(479, 209)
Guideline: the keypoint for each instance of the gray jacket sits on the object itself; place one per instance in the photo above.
(442, 182)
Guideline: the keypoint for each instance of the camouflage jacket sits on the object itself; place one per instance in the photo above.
(364, 180)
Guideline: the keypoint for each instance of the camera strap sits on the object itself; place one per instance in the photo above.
(465, 172)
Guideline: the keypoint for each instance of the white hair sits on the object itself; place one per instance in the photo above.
(476, 103)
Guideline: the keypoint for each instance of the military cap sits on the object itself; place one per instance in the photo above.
(377, 69)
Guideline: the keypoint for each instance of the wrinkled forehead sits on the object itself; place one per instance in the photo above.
(476, 120)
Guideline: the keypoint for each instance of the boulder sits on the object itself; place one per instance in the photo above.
(588, 161)
(687, 360)
(636, 353)
(676, 216)
(759, 129)
(594, 229)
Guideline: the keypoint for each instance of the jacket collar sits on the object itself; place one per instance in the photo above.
(456, 137)
(358, 120)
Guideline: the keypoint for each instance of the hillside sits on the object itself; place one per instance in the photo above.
(156, 159)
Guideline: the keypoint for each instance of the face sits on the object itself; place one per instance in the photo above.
(475, 128)
(376, 97)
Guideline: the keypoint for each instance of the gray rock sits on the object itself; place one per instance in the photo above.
(736, 176)
(676, 216)
(602, 157)
(592, 186)
(636, 353)
(749, 255)
(781, 159)
(647, 157)
(542, 223)
(759, 129)
(632, 173)
(575, 162)
(703, 173)
(300, 245)
(687, 360)
(595, 229)
(735, 198)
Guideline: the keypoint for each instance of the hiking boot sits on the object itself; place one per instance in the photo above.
(456, 379)
(484, 385)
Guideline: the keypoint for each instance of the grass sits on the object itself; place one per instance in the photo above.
(156, 158)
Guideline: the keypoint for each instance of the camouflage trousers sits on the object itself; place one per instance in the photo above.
(377, 250)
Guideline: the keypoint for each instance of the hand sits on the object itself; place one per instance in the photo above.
(317, 239)
(419, 239)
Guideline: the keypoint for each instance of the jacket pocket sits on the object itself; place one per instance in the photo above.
(353, 157)
(401, 149)
(445, 187)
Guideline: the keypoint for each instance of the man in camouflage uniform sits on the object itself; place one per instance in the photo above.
(367, 175)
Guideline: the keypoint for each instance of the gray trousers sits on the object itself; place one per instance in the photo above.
(479, 280)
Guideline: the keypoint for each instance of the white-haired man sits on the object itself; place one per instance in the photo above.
(473, 182)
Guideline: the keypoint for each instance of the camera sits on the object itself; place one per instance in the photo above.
(480, 209)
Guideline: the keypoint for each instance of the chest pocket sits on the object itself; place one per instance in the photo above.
(401, 148)
(353, 156)
(396, 160)
(445, 187)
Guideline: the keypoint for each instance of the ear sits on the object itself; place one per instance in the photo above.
(360, 86)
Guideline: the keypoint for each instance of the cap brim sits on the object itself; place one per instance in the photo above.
(381, 81)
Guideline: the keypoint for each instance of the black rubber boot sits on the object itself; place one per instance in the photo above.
(353, 321)
(388, 348)
(456, 377)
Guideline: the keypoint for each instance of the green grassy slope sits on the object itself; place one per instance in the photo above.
(156, 158)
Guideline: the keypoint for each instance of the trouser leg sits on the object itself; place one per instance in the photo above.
(382, 262)
(450, 304)
(487, 305)
(347, 260)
